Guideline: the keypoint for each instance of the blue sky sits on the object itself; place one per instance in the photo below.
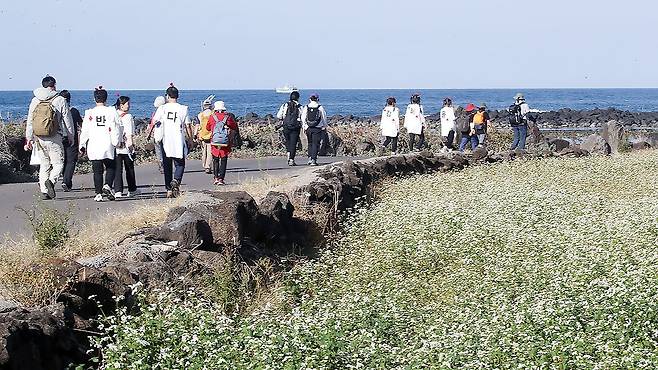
(145, 44)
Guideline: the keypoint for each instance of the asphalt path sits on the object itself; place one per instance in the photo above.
(15, 198)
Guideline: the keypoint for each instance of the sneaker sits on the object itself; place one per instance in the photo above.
(66, 188)
(220, 182)
(170, 194)
(394, 153)
(45, 196)
(107, 192)
(310, 162)
(175, 188)
(216, 181)
(98, 198)
(208, 171)
(118, 195)
(50, 187)
(291, 162)
(133, 193)
(314, 163)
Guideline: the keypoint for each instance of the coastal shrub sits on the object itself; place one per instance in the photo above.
(49, 226)
(529, 264)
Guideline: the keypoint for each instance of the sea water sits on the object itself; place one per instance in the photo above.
(361, 103)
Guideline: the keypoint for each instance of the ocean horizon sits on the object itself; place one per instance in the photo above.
(361, 102)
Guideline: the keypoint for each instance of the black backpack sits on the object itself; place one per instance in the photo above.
(515, 116)
(313, 116)
(464, 123)
(291, 119)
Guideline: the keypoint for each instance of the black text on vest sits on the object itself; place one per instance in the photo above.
(100, 120)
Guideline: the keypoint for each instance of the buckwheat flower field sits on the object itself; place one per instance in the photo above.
(529, 264)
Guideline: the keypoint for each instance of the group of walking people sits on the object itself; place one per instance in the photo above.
(471, 125)
(58, 134)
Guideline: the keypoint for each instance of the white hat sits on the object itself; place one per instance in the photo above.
(160, 100)
(208, 101)
(219, 106)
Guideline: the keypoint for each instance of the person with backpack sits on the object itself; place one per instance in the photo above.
(48, 121)
(70, 151)
(518, 119)
(174, 124)
(314, 123)
(480, 122)
(125, 150)
(291, 115)
(448, 126)
(414, 121)
(203, 136)
(156, 133)
(390, 125)
(101, 133)
(466, 127)
(221, 124)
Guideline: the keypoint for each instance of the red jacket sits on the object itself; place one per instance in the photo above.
(221, 152)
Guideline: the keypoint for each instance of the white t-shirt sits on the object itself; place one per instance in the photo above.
(390, 123)
(101, 129)
(128, 129)
(447, 120)
(414, 119)
(173, 118)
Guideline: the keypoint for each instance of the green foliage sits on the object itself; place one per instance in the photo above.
(50, 227)
(543, 264)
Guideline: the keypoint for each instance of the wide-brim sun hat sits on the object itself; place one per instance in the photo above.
(219, 106)
(470, 107)
(519, 96)
(315, 95)
(160, 100)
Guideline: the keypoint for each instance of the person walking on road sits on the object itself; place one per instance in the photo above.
(466, 127)
(448, 127)
(314, 123)
(125, 150)
(414, 122)
(156, 132)
(202, 134)
(291, 115)
(390, 125)
(48, 121)
(71, 149)
(221, 124)
(518, 118)
(101, 133)
(174, 123)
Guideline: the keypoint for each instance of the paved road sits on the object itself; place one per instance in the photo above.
(15, 196)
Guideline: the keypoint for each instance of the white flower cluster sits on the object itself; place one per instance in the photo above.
(529, 264)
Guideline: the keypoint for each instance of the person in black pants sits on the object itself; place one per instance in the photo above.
(108, 167)
(314, 122)
(290, 113)
(70, 151)
(125, 150)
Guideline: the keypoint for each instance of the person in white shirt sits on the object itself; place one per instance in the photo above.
(414, 120)
(49, 146)
(448, 126)
(125, 150)
(290, 113)
(101, 131)
(176, 129)
(390, 125)
(519, 109)
(314, 123)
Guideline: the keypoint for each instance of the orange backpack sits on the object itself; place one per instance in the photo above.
(478, 119)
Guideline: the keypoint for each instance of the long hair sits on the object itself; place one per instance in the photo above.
(121, 101)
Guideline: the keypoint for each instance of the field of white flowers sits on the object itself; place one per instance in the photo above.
(530, 264)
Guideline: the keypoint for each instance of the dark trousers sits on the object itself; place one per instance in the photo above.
(219, 167)
(106, 166)
(173, 168)
(412, 141)
(123, 160)
(393, 140)
(70, 159)
(520, 134)
(314, 135)
(292, 138)
(450, 140)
